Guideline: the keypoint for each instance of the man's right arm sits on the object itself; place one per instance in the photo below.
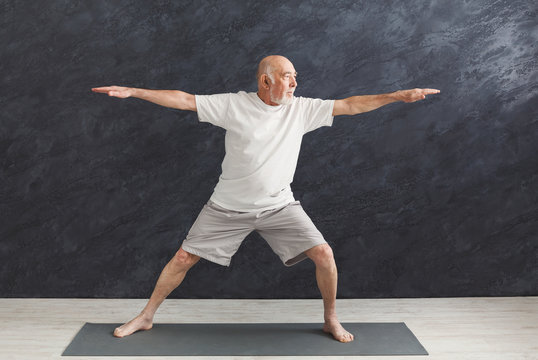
(170, 98)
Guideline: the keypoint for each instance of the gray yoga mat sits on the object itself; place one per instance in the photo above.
(293, 339)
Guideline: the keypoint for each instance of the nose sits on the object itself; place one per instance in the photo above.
(293, 82)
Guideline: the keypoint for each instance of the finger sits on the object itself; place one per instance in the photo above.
(430, 91)
(103, 89)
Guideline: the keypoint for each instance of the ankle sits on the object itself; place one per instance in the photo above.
(330, 318)
(146, 315)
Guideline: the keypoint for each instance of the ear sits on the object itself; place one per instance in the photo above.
(265, 81)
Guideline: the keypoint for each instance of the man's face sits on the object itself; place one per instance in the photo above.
(284, 84)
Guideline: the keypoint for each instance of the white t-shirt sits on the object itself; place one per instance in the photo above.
(262, 146)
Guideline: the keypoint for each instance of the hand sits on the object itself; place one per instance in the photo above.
(413, 95)
(117, 91)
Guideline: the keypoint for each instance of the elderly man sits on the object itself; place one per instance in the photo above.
(264, 130)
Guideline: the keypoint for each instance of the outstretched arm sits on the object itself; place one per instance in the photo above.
(358, 104)
(170, 98)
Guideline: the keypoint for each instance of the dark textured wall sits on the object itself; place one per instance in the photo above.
(434, 198)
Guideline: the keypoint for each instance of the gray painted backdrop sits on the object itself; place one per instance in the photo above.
(435, 198)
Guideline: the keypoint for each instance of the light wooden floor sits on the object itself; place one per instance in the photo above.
(449, 328)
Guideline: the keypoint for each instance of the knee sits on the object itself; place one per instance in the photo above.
(185, 259)
(321, 255)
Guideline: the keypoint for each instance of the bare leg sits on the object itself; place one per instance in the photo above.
(327, 278)
(172, 275)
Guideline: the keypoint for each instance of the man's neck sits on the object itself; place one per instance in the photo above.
(266, 98)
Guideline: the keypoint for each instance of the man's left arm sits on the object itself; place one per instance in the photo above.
(362, 103)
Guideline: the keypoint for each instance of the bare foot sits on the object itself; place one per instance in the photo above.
(138, 323)
(339, 333)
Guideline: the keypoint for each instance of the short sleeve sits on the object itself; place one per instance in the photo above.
(213, 108)
(317, 113)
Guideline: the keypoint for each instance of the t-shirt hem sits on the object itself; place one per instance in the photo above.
(331, 116)
(228, 207)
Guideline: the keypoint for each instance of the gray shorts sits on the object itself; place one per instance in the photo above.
(217, 233)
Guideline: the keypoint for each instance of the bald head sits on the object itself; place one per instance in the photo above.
(270, 64)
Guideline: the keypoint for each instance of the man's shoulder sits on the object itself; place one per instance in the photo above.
(308, 98)
(310, 101)
(239, 95)
(225, 97)
(243, 97)
(243, 93)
